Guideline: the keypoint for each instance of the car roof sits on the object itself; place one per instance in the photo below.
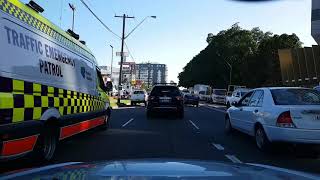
(162, 85)
(275, 88)
(242, 89)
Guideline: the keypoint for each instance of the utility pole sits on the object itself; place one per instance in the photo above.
(124, 16)
(111, 61)
(73, 8)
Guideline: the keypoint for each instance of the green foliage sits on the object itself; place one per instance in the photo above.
(252, 54)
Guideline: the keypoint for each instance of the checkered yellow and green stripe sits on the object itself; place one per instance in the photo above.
(22, 101)
(23, 13)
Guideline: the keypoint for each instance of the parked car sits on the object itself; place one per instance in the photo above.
(219, 96)
(277, 115)
(236, 96)
(165, 98)
(138, 96)
(191, 99)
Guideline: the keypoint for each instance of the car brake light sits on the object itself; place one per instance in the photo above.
(179, 98)
(285, 120)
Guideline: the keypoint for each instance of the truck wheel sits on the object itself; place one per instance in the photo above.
(106, 123)
(47, 144)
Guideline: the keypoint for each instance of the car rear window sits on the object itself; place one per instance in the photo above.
(138, 92)
(295, 96)
(220, 92)
(165, 91)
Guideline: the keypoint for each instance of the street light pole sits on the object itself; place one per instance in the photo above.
(111, 61)
(122, 57)
(73, 8)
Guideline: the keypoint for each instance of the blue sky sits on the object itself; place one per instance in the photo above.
(181, 27)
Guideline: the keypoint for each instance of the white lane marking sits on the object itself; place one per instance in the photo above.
(194, 124)
(215, 109)
(233, 158)
(218, 146)
(130, 107)
(127, 122)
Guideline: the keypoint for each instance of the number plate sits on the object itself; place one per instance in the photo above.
(165, 99)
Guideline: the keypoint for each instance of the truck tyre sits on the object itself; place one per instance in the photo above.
(47, 144)
(106, 123)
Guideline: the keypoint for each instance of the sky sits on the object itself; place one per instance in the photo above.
(179, 32)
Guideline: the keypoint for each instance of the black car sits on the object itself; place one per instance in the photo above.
(165, 98)
(191, 99)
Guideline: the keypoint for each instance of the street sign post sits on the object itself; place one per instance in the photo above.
(125, 54)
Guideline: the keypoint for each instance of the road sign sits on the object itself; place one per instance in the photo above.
(125, 54)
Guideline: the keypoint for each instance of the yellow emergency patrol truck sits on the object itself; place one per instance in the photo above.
(50, 85)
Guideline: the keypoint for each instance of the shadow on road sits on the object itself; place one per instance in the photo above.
(279, 150)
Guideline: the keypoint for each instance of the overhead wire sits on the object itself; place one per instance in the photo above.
(129, 51)
(100, 20)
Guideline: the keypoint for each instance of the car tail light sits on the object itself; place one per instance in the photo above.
(285, 120)
(179, 98)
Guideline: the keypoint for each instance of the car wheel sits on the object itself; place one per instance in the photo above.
(149, 114)
(227, 125)
(181, 114)
(47, 145)
(261, 139)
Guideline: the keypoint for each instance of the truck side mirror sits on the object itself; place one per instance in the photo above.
(109, 86)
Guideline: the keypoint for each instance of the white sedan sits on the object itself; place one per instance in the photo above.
(277, 115)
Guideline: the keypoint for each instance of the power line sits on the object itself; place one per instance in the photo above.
(129, 51)
(99, 19)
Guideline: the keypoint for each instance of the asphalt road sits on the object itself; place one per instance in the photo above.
(200, 135)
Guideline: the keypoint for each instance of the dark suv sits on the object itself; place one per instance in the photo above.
(165, 98)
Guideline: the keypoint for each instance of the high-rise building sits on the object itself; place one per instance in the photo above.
(151, 73)
(315, 20)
